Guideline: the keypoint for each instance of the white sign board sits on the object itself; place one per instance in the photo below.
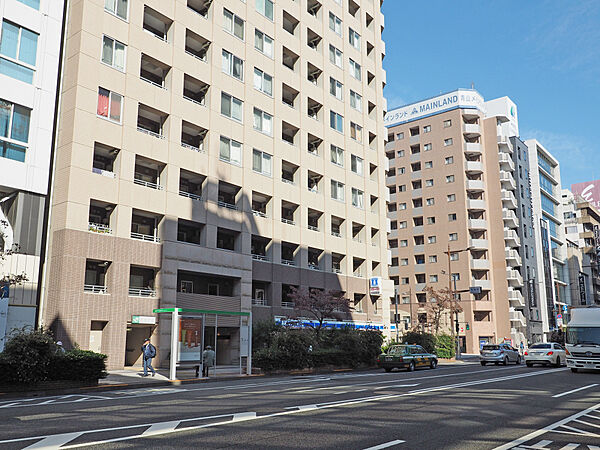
(375, 286)
(146, 320)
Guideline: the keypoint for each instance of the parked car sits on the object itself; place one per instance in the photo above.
(546, 353)
(406, 356)
(499, 353)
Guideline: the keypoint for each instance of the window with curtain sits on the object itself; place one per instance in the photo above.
(230, 151)
(232, 65)
(109, 104)
(265, 7)
(337, 190)
(337, 155)
(263, 82)
(357, 198)
(113, 53)
(233, 24)
(263, 122)
(18, 48)
(263, 43)
(261, 162)
(231, 107)
(14, 130)
(117, 7)
(336, 121)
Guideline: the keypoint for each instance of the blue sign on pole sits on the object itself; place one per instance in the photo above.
(4, 290)
(564, 307)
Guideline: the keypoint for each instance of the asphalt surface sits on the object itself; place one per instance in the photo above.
(454, 406)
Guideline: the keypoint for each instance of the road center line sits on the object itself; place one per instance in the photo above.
(386, 445)
(575, 390)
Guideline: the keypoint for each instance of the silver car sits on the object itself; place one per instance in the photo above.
(545, 353)
(499, 353)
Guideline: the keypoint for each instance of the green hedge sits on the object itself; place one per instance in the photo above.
(425, 340)
(31, 357)
(445, 346)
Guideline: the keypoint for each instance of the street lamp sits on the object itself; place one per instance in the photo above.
(453, 293)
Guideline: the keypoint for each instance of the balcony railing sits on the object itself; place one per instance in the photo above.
(313, 266)
(288, 221)
(336, 270)
(94, 289)
(313, 228)
(99, 228)
(285, 180)
(144, 237)
(104, 173)
(153, 83)
(190, 195)
(259, 257)
(259, 301)
(141, 292)
(223, 204)
(287, 304)
(191, 147)
(259, 213)
(336, 234)
(149, 184)
(151, 133)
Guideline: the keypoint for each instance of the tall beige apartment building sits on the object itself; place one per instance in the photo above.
(454, 214)
(212, 154)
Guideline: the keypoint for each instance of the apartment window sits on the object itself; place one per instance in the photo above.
(404, 280)
(265, 7)
(400, 136)
(429, 164)
(447, 123)
(401, 206)
(453, 237)
(454, 256)
(400, 153)
(449, 178)
(432, 258)
(336, 88)
(263, 82)
(117, 7)
(427, 129)
(431, 239)
(233, 24)
(356, 165)
(263, 43)
(429, 183)
(335, 56)
(451, 197)
(354, 38)
(261, 162)
(433, 278)
(427, 147)
(355, 132)
(403, 243)
(355, 70)
(18, 46)
(447, 142)
(113, 53)
(232, 65)
(335, 23)
(402, 188)
(336, 121)
(403, 224)
(449, 160)
(230, 151)
(355, 101)
(430, 201)
(231, 107)
(14, 127)
(357, 198)
(35, 4)
(337, 190)
(337, 155)
(404, 261)
(430, 220)
(110, 105)
(452, 217)
(263, 122)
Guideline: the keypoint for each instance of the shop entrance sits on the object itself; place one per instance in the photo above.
(134, 341)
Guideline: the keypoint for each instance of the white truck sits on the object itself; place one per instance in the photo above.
(583, 339)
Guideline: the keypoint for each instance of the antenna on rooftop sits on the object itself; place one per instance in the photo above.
(472, 85)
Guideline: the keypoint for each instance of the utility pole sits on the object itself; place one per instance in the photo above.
(396, 315)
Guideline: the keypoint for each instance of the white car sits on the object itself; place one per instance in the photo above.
(546, 353)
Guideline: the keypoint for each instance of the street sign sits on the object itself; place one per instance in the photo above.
(475, 289)
(559, 316)
(148, 320)
(375, 286)
(564, 307)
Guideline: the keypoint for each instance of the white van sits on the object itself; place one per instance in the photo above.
(583, 339)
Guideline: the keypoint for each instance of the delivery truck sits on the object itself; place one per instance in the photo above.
(583, 339)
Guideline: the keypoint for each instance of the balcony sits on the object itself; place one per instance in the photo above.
(509, 200)
(144, 237)
(507, 180)
(511, 238)
(510, 218)
(475, 185)
(472, 148)
(94, 289)
(504, 145)
(140, 292)
(479, 244)
(485, 285)
(289, 305)
(476, 205)
(517, 317)
(478, 224)
(471, 129)
(513, 257)
(514, 278)
(480, 264)
(506, 162)
(516, 299)
(99, 228)
(474, 166)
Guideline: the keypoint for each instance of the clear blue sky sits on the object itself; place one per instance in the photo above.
(544, 55)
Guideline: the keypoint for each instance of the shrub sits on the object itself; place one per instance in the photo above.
(289, 349)
(445, 346)
(425, 340)
(78, 365)
(263, 332)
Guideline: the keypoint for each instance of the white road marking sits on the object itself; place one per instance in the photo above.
(55, 441)
(549, 428)
(161, 428)
(575, 390)
(386, 445)
(396, 386)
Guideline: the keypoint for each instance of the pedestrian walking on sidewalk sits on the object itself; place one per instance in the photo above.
(148, 352)
(208, 360)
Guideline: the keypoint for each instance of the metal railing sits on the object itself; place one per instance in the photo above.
(153, 83)
(313, 228)
(94, 289)
(287, 304)
(157, 36)
(223, 204)
(99, 228)
(313, 266)
(149, 184)
(190, 195)
(104, 173)
(191, 147)
(151, 133)
(259, 257)
(259, 213)
(259, 301)
(285, 180)
(194, 101)
(144, 237)
(141, 292)
(336, 234)
(288, 262)
(203, 59)
(288, 221)
(336, 270)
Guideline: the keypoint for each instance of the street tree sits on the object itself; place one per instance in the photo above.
(439, 303)
(8, 248)
(320, 304)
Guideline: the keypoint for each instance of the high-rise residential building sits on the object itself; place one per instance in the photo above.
(551, 250)
(212, 155)
(454, 213)
(582, 231)
(30, 38)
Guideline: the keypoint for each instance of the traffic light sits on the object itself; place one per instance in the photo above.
(467, 327)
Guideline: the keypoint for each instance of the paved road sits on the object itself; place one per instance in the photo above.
(455, 407)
